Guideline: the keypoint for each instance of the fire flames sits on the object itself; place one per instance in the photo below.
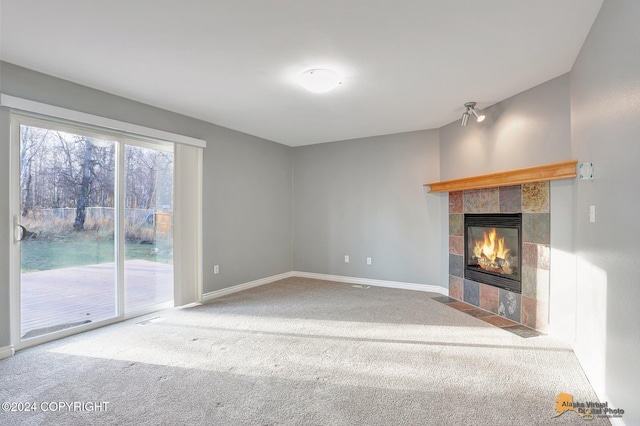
(491, 253)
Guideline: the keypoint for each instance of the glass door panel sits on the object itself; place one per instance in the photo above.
(148, 218)
(67, 254)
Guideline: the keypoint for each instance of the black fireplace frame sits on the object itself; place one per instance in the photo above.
(493, 220)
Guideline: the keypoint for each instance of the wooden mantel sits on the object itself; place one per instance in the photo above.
(564, 170)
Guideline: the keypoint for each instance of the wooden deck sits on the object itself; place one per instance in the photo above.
(61, 298)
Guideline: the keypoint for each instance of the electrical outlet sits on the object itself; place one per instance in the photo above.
(216, 269)
(368, 261)
(346, 259)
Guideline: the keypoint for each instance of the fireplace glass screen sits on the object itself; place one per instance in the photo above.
(493, 245)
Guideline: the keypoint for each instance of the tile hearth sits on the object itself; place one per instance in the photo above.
(488, 317)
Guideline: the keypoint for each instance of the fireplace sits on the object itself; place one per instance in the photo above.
(523, 296)
(493, 244)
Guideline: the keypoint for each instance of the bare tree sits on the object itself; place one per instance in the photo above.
(31, 142)
(85, 183)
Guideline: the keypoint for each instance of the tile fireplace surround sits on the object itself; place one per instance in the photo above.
(530, 308)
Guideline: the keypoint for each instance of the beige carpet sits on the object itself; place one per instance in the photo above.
(298, 352)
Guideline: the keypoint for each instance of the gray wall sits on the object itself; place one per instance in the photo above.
(605, 114)
(247, 183)
(364, 198)
(247, 209)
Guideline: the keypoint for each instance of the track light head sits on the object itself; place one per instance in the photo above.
(465, 119)
(479, 116)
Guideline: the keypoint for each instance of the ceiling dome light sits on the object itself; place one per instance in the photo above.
(319, 80)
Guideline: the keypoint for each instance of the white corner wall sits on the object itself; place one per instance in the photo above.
(605, 119)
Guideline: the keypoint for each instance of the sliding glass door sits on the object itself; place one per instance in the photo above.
(93, 228)
(148, 218)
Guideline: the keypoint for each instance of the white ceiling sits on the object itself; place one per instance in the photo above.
(406, 64)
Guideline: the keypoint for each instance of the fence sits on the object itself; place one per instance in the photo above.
(133, 216)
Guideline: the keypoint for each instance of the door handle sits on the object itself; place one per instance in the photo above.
(19, 233)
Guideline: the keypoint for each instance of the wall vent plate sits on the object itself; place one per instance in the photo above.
(585, 171)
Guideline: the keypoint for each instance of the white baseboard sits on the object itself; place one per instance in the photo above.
(7, 351)
(350, 280)
(236, 288)
(375, 283)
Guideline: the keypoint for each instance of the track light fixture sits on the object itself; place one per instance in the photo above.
(471, 109)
